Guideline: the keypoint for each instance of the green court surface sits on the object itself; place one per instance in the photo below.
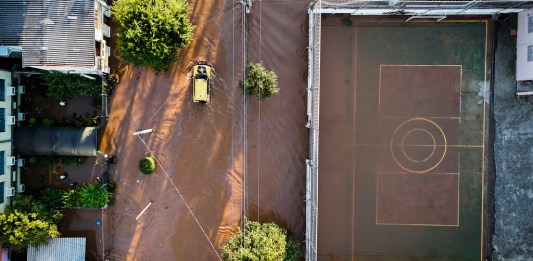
(402, 139)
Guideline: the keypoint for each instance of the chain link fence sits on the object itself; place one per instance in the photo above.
(313, 109)
(423, 7)
(411, 9)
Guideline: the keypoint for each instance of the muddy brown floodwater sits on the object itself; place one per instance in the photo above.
(200, 148)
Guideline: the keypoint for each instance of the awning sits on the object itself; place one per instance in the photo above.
(60, 141)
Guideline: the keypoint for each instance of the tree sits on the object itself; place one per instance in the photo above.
(25, 225)
(27, 204)
(259, 81)
(151, 31)
(261, 242)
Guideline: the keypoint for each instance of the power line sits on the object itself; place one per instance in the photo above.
(259, 121)
(179, 193)
(182, 198)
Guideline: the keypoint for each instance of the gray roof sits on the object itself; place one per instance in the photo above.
(59, 249)
(51, 32)
(62, 141)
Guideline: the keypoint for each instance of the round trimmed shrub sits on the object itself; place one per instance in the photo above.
(260, 81)
(147, 165)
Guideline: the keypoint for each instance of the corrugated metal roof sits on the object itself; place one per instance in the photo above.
(51, 32)
(59, 249)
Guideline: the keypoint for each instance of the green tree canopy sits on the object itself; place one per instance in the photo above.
(87, 196)
(27, 204)
(151, 31)
(260, 242)
(147, 165)
(28, 223)
(260, 81)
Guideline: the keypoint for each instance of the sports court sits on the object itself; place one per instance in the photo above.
(402, 139)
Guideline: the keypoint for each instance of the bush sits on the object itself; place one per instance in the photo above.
(111, 186)
(263, 242)
(62, 86)
(93, 196)
(73, 160)
(113, 79)
(71, 199)
(147, 165)
(259, 81)
(48, 122)
(32, 160)
(32, 121)
(86, 196)
(47, 161)
(52, 198)
(113, 159)
(150, 32)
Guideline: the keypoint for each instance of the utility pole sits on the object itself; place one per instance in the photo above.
(246, 5)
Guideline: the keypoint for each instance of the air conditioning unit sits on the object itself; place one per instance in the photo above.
(107, 11)
(20, 163)
(21, 116)
(10, 191)
(106, 30)
(10, 90)
(102, 48)
(10, 120)
(22, 89)
(11, 161)
(21, 188)
(100, 63)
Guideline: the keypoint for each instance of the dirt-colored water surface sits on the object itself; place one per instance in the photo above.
(199, 148)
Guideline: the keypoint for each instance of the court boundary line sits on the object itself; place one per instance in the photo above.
(354, 83)
(484, 121)
(421, 145)
(460, 81)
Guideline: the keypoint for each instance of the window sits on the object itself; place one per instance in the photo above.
(2, 120)
(530, 24)
(2, 162)
(530, 53)
(2, 90)
(2, 192)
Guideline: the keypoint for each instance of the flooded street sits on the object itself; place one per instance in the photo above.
(197, 190)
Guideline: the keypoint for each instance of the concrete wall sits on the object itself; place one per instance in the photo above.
(5, 141)
(6, 176)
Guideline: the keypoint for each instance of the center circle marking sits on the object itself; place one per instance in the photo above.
(413, 132)
(431, 124)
